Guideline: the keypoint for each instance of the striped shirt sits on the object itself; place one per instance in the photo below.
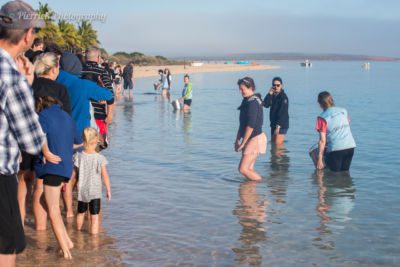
(19, 124)
(92, 71)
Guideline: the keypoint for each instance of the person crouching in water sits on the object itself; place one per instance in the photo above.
(336, 143)
(160, 82)
(91, 169)
(61, 137)
(187, 94)
(250, 139)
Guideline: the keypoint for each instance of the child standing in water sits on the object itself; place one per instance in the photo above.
(187, 94)
(91, 168)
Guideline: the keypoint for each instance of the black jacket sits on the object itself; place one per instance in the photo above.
(279, 109)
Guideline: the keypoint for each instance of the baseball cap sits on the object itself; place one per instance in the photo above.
(19, 15)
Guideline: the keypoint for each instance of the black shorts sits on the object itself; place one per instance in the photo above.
(54, 180)
(187, 102)
(94, 206)
(128, 84)
(28, 162)
(338, 161)
(12, 237)
(281, 130)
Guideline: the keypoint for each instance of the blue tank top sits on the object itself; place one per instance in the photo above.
(338, 133)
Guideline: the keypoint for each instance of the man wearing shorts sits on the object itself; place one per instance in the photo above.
(19, 125)
(128, 79)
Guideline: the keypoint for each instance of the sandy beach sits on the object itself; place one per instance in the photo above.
(150, 71)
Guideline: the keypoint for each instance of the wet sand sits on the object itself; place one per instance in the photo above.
(90, 250)
(150, 71)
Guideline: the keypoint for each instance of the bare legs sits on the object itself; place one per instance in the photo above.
(52, 196)
(26, 179)
(7, 260)
(39, 206)
(246, 167)
(277, 139)
(186, 108)
(68, 195)
(94, 225)
(164, 93)
(80, 218)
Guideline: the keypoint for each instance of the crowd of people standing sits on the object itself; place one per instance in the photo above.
(48, 144)
(47, 100)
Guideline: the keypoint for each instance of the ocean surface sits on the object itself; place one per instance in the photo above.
(178, 199)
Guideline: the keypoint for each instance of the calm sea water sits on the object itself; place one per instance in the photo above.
(178, 199)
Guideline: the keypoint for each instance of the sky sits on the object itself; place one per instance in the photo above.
(221, 27)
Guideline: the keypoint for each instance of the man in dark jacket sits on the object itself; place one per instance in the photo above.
(278, 103)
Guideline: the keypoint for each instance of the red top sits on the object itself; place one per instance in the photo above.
(321, 124)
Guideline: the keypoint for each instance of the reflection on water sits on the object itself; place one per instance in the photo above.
(128, 108)
(251, 214)
(90, 250)
(187, 126)
(278, 172)
(175, 182)
(336, 195)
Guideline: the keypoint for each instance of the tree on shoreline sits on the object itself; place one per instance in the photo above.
(72, 37)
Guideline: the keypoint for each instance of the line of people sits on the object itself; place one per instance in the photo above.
(46, 136)
(336, 144)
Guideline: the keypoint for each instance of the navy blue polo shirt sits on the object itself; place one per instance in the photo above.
(61, 135)
(251, 115)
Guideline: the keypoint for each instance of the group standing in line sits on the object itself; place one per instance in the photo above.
(45, 133)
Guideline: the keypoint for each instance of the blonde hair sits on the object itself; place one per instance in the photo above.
(45, 62)
(89, 134)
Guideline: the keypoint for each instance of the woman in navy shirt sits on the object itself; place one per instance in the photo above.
(61, 135)
(250, 138)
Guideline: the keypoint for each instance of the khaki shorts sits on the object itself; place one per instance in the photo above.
(256, 145)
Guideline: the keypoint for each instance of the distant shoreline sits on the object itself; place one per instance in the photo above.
(152, 71)
(292, 57)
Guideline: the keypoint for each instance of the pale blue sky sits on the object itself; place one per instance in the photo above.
(213, 27)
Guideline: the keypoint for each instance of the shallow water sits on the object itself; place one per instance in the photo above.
(42, 248)
(178, 199)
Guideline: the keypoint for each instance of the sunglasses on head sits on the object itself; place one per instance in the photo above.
(6, 19)
(245, 81)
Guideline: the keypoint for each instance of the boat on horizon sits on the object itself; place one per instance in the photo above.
(306, 64)
(366, 66)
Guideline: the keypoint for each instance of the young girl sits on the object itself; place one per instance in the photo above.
(61, 135)
(92, 167)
